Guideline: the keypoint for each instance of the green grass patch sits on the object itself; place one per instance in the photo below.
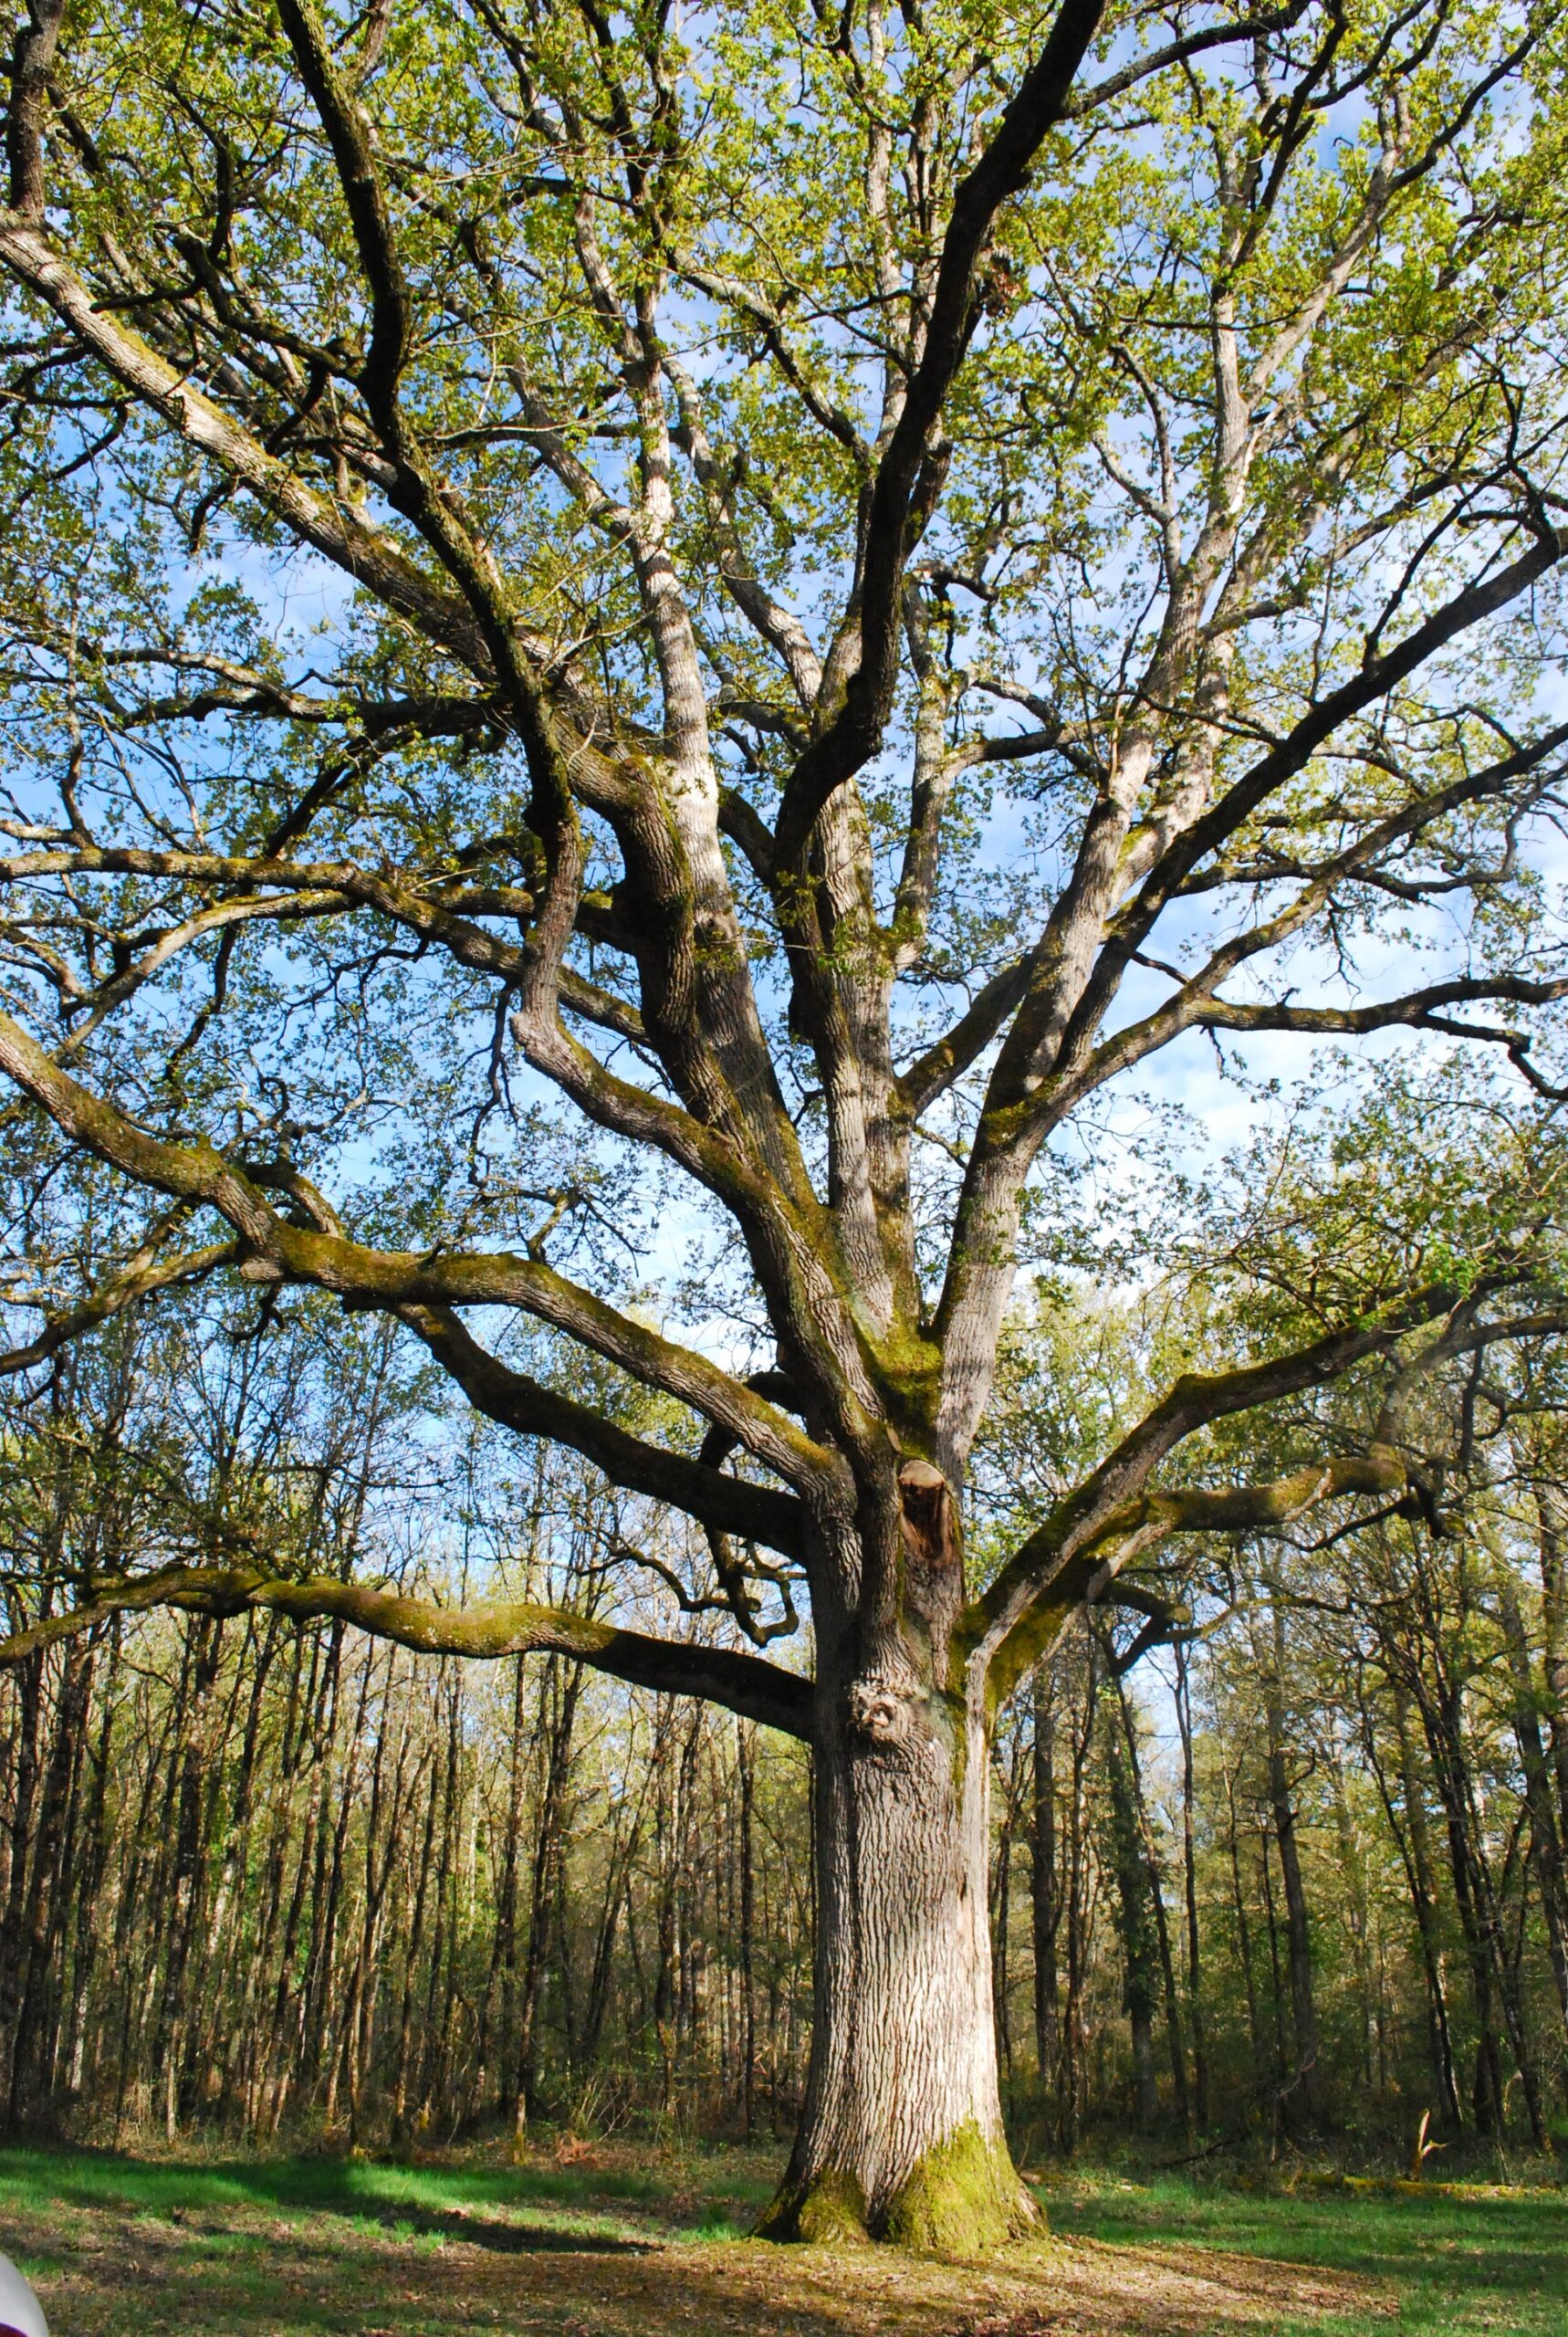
(674, 2194)
(309, 2186)
(1486, 2259)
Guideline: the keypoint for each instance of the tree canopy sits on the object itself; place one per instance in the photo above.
(818, 585)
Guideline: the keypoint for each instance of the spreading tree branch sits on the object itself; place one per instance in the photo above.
(483, 1630)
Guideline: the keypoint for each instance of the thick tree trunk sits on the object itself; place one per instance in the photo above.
(901, 2136)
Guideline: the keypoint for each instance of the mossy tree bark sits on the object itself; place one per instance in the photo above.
(902, 2134)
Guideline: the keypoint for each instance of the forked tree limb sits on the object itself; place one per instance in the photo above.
(1194, 1004)
(275, 1249)
(1136, 1527)
(1178, 52)
(854, 732)
(1084, 956)
(1107, 1502)
(1212, 829)
(331, 526)
(391, 1280)
(726, 1504)
(1076, 1554)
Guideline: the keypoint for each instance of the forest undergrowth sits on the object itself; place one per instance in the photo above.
(632, 2239)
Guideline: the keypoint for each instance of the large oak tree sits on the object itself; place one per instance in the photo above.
(819, 583)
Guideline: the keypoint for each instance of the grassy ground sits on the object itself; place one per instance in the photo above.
(1476, 2258)
(633, 2242)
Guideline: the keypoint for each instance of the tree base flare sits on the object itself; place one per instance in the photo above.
(828, 2210)
(962, 2199)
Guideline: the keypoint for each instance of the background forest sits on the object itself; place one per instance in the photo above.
(1280, 1864)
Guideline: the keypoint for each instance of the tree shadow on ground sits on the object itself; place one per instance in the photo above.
(508, 2238)
(223, 2282)
(360, 2191)
(301, 2249)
